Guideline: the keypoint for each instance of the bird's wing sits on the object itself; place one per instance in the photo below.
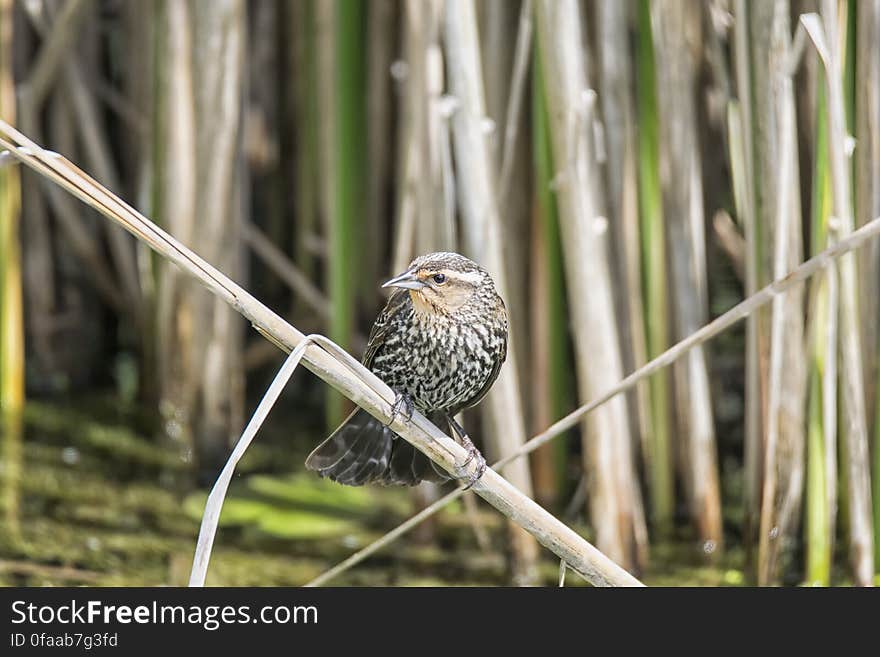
(398, 300)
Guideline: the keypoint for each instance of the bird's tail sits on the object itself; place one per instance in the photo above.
(363, 450)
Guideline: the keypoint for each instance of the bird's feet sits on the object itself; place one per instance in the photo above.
(402, 403)
(473, 454)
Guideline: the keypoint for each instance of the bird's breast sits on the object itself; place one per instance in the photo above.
(441, 365)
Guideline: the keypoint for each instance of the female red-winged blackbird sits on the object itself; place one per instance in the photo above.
(439, 344)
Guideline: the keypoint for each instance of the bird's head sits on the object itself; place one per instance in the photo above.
(444, 282)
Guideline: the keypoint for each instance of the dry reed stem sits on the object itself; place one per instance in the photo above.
(617, 98)
(366, 390)
(742, 310)
(731, 242)
(483, 233)
(784, 442)
(615, 500)
(276, 260)
(52, 54)
(677, 37)
(521, 59)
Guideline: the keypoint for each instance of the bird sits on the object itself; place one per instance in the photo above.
(439, 344)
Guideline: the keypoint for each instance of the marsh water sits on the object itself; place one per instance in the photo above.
(87, 500)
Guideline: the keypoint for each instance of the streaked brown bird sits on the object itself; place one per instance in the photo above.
(439, 344)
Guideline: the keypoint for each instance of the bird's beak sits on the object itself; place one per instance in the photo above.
(406, 280)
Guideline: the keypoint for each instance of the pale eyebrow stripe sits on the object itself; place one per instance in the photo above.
(469, 277)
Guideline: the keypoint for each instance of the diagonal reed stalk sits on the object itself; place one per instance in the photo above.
(365, 389)
(745, 308)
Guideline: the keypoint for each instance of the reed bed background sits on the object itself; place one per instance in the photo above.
(626, 170)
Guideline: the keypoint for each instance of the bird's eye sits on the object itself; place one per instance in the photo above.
(439, 279)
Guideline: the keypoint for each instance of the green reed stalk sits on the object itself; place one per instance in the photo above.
(304, 101)
(819, 514)
(662, 484)
(558, 381)
(11, 312)
(349, 115)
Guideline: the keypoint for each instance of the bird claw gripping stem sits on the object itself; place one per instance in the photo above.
(473, 454)
(402, 402)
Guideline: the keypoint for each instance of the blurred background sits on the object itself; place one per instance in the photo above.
(627, 171)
